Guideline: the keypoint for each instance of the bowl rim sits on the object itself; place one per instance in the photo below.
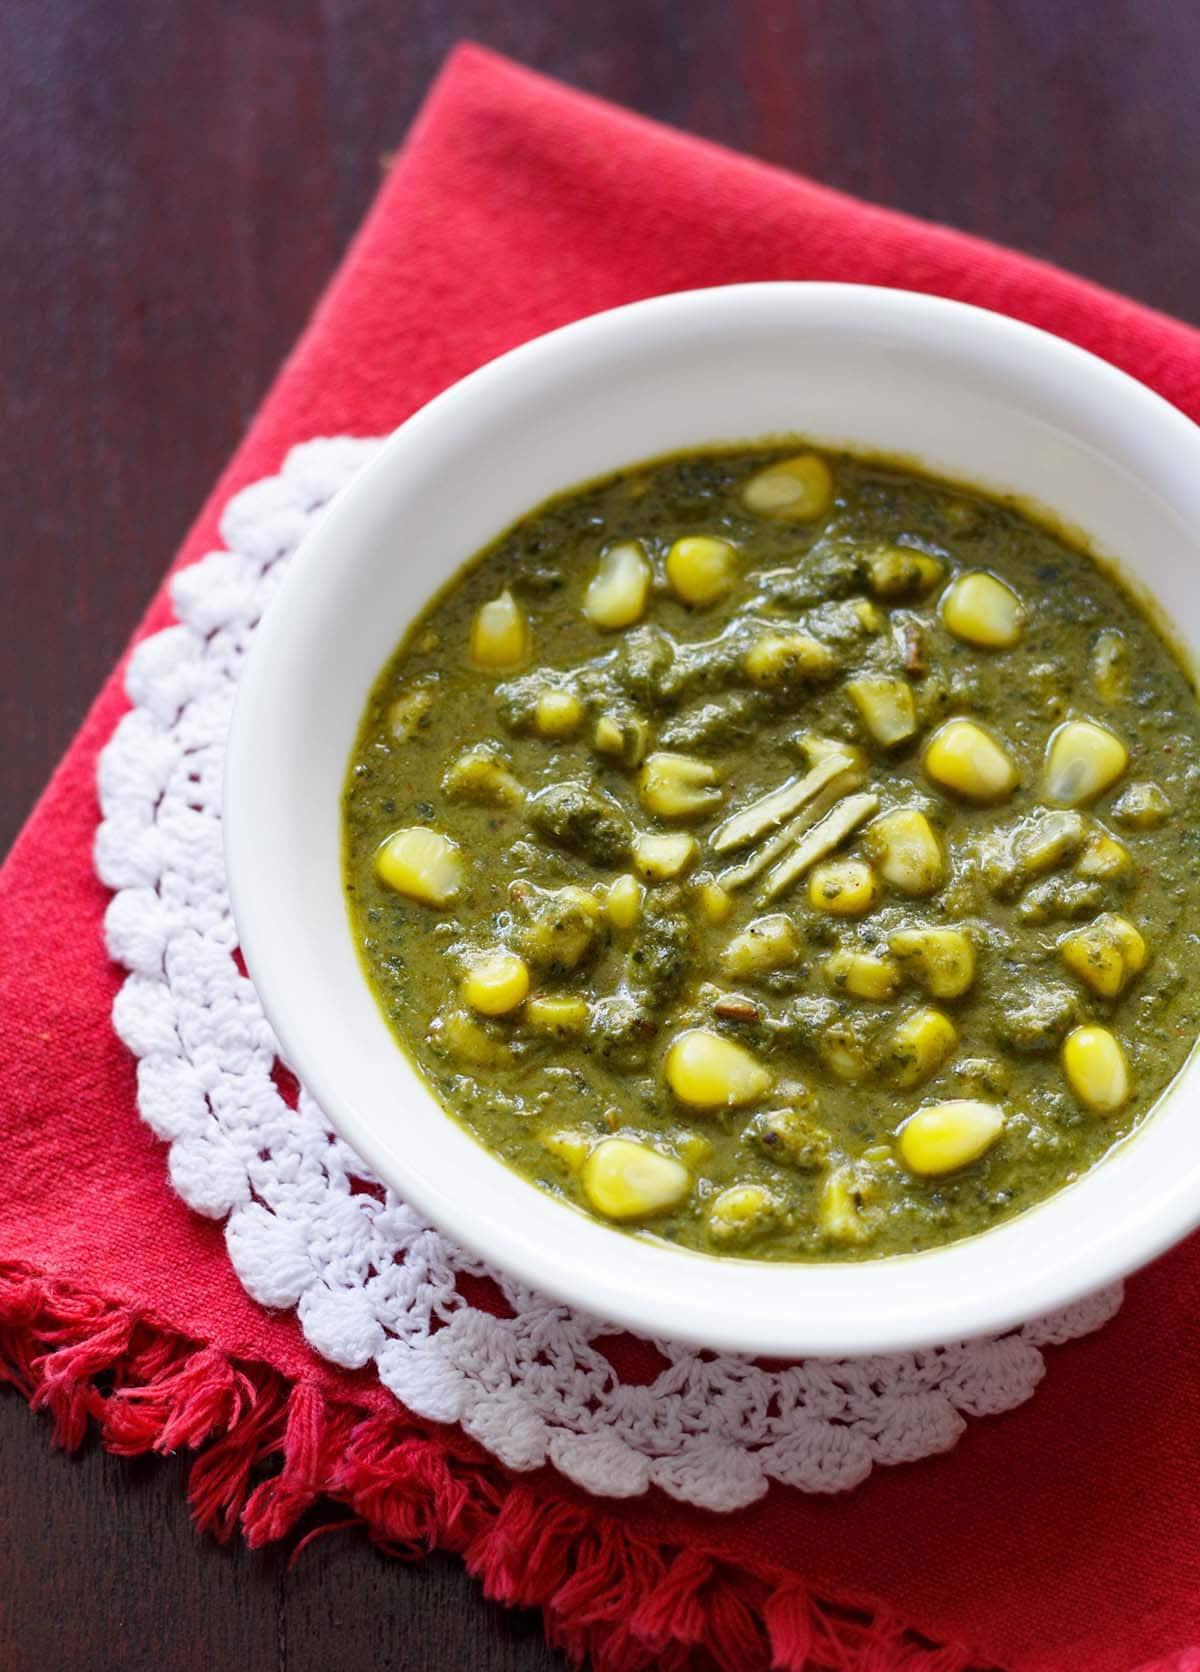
(628, 1304)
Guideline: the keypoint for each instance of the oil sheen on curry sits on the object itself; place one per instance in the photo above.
(783, 855)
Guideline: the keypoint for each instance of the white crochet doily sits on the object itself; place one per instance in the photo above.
(306, 1224)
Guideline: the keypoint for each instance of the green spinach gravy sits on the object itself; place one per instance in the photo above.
(783, 854)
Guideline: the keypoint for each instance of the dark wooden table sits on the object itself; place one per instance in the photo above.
(176, 184)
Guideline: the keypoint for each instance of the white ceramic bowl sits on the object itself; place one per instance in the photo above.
(970, 395)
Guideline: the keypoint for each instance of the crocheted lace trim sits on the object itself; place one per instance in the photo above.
(307, 1226)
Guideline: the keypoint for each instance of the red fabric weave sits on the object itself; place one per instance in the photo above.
(1062, 1538)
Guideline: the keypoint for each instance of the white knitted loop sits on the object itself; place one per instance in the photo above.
(308, 1227)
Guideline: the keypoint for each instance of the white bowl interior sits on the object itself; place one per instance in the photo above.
(967, 394)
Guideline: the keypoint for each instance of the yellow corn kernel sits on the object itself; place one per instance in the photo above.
(557, 714)
(845, 887)
(797, 489)
(624, 737)
(739, 1211)
(1035, 845)
(678, 786)
(818, 749)
(455, 1034)
(843, 1053)
(408, 710)
(556, 1013)
(839, 1214)
(616, 593)
(942, 1137)
(919, 1046)
(423, 864)
(1082, 760)
(768, 943)
(626, 1180)
(715, 902)
(568, 929)
(962, 757)
(496, 983)
(662, 855)
(864, 975)
(1143, 806)
(901, 572)
(982, 610)
(482, 774)
(571, 1148)
(609, 736)
(694, 1149)
(885, 707)
(1096, 1068)
(942, 960)
(623, 902)
(777, 657)
(1105, 954)
(870, 615)
(906, 851)
(1103, 857)
(555, 927)
(708, 1071)
(701, 568)
(500, 634)
(1110, 665)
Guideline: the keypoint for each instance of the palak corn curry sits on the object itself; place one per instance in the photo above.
(783, 855)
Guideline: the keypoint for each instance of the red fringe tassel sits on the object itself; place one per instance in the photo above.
(269, 1451)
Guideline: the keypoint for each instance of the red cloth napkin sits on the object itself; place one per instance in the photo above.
(1064, 1537)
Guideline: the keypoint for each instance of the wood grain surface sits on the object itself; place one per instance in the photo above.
(177, 182)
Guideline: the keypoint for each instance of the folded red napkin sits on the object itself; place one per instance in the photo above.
(1064, 1537)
